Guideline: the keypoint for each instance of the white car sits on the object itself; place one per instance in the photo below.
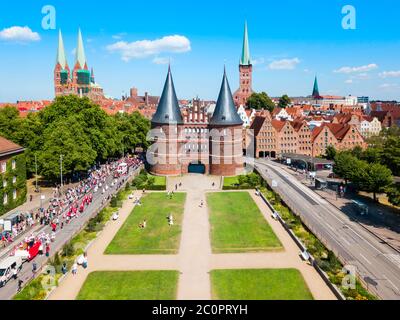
(7, 267)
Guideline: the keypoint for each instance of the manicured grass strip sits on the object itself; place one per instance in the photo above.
(231, 181)
(237, 224)
(135, 285)
(263, 284)
(159, 181)
(158, 237)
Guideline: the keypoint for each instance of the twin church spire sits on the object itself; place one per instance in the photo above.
(80, 57)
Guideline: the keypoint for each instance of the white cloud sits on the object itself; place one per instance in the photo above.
(258, 61)
(349, 81)
(73, 52)
(159, 60)
(19, 34)
(389, 86)
(390, 74)
(365, 68)
(119, 36)
(284, 64)
(147, 48)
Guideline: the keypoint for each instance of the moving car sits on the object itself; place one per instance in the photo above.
(7, 267)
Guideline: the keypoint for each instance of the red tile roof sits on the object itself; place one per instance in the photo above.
(9, 147)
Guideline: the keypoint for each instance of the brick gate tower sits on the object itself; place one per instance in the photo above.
(226, 152)
(181, 142)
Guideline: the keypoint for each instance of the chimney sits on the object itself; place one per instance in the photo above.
(146, 98)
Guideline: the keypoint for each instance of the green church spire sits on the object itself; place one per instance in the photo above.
(80, 51)
(245, 59)
(315, 93)
(61, 59)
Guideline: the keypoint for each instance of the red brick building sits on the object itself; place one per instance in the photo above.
(192, 141)
(80, 81)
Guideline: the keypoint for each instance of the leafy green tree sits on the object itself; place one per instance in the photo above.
(260, 101)
(9, 122)
(374, 178)
(284, 101)
(357, 152)
(391, 154)
(372, 155)
(330, 153)
(393, 194)
(345, 165)
(65, 138)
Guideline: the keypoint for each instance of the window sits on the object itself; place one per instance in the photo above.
(3, 167)
(5, 198)
(14, 180)
(4, 183)
(13, 164)
(15, 194)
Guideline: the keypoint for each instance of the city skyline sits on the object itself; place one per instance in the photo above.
(128, 52)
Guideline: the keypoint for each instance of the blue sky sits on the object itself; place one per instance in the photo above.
(290, 42)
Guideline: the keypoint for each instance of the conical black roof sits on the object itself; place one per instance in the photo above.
(168, 111)
(225, 111)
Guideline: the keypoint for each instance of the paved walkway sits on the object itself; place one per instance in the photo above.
(195, 259)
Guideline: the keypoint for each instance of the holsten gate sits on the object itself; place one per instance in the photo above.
(184, 143)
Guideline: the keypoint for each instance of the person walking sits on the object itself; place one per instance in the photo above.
(34, 268)
(64, 268)
(74, 268)
(20, 282)
(47, 250)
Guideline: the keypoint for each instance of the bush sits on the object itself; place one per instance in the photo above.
(114, 202)
(68, 250)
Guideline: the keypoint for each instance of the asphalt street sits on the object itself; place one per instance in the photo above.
(62, 237)
(376, 263)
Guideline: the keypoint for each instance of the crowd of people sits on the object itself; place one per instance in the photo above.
(64, 206)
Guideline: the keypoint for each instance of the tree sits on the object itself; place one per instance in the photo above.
(330, 153)
(393, 194)
(357, 152)
(284, 101)
(260, 101)
(374, 178)
(345, 165)
(391, 154)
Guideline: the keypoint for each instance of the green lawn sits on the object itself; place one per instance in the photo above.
(158, 237)
(231, 181)
(237, 225)
(263, 284)
(159, 181)
(135, 285)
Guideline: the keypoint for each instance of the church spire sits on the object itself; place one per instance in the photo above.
(61, 59)
(168, 111)
(315, 93)
(225, 111)
(245, 59)
(80, 52)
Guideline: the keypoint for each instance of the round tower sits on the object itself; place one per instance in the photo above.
(167, 125)
(226, 155)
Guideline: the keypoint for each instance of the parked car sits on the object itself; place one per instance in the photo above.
(6, 269)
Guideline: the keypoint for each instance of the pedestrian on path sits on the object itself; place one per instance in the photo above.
(20, 282)
(47, 250)
(75, 269)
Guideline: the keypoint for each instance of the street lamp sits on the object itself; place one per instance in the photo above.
(61, 170)
(36, 175)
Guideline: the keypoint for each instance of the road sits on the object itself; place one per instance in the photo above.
(377, 264)
(62, 237)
